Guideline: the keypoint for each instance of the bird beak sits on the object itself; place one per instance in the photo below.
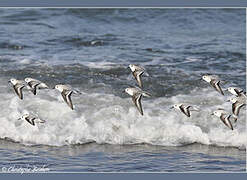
(123, 91)
(19, 119)
(9, 81)
(212, 114)
(228, 100)
(171, 107)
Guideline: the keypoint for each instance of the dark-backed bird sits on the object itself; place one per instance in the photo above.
(31, 120)
(137, 94)
(137, 72)
(236, 91)
(185, 109)
(224, 117)
(33, 84)
(66, 93)
(237, 104)
(214, 81)
(18, 85)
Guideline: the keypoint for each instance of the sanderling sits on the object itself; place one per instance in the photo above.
(137, 71)
(186, 109)
(214, 82)
(30, 119)
(66, 93)
(224, 117)
(237, 104)
(18, 85)
(33, 84)
(137, 94)
(236, 91)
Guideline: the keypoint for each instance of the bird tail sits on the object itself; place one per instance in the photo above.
(75, 91)
(144, 93)
(43, 86)
(195, 109)
(41, 121)
(146, 74)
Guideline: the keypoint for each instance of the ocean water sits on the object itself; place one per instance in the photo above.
(90, 49)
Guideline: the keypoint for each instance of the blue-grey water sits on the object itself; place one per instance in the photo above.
(90, 49)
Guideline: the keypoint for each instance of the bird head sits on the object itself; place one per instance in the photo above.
(206, 78)
(13, 81)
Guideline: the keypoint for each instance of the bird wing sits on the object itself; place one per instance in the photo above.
(236, 107)
(226, 120)
(33, 85)
(66, 94)
(137, 75)
(30, 120)
(18, 90)
(238, 92)
(185, 110)
(216, 85)
(137, 101)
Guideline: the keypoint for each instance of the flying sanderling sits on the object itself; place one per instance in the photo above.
(30, 119)
(224, 117)
(237, 104)
(137, 94)
(137, 72)
(186, 109)
(236, 91)
(18, 85)
(66, 93)
(33, 84)
(214, 82)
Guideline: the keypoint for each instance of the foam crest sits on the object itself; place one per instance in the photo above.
(106, 118)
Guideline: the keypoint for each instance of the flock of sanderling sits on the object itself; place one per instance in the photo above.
(137, 93)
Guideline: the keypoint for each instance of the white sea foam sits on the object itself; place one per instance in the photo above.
(25, 61)
(101, 65)
(105, 118)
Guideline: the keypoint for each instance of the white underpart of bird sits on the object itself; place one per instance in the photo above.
(237, 103)
(137, 72)
(214, 81)
(34, 84)
(18, 86)
(235, 91)
(185, 109)
(66, 92)
(224, 117)
(31, 119)
(137, 94)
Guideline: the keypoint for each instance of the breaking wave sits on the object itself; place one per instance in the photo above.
(107, 118)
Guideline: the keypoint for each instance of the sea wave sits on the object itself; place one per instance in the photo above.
(107, 118)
